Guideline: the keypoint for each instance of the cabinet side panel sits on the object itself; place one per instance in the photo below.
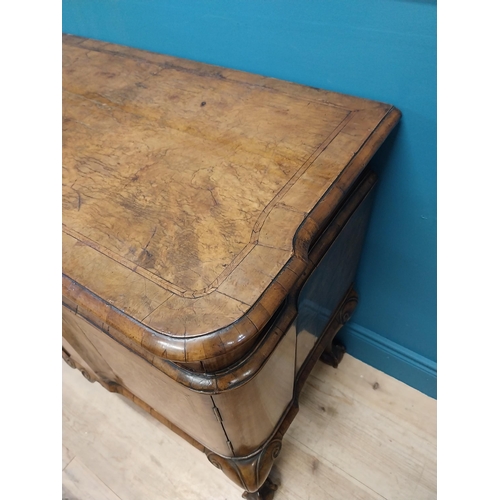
(190, 411)
(76, 340)
(76, 357)
(330, 280)
(252, 412)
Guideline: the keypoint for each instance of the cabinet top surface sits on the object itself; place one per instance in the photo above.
(191, 192)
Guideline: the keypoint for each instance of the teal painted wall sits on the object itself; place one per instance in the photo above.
(378, 49)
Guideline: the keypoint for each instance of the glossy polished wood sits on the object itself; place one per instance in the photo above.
(113, 364)
(204, 210)
(332, 450)
(223, 197)
(251, 472)
(247, 367)
(251, 412)
(242, 413)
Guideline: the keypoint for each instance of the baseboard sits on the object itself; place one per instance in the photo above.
(387, 356)
(391, 358)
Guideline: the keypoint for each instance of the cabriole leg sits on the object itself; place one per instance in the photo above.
(334, 350)
(333, 353)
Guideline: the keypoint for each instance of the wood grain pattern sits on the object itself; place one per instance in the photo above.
(251, 471)
(212, 379)
(80, 483)
(141, 382)
(198, 204)
(67, 456)
(240, 430)
(383, 428)
(251, 412)
(191, 190)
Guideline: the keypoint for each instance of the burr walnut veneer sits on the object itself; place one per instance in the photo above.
(212, 225)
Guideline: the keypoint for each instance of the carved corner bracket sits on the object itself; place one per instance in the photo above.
(250, 473)
(334, 350)
(76, 366)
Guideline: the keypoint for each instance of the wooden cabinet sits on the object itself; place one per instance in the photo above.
(212, 225)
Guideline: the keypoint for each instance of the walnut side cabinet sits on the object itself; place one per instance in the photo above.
(212, 225)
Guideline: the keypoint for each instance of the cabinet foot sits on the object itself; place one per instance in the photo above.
(265, 492)
(334, 350)
(333, 354)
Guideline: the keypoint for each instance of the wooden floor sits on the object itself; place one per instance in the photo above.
(359, 434)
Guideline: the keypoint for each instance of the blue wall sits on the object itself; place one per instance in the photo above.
(378, 49)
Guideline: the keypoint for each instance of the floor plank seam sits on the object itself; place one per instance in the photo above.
(403, 469)
(66, 466)
(428, 438)
(356, 480)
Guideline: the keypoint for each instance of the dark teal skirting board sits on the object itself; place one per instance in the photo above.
(391, 358)
(384, 354)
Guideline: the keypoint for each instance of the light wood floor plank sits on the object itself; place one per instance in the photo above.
(385, 452)
(390, 397)
(67, 456)
(348, 441)
(79, 483)
(305, 475)
(135, 455)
